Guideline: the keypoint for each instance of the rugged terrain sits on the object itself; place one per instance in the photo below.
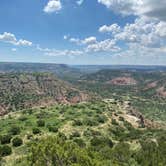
(23, 90)
(50, 121)
(91, 133)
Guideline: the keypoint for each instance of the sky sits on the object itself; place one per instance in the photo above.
(128, 32)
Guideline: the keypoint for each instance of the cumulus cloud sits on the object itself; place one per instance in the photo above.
(114, 28)
(149, 33)
(103, 46)
(149, 8)
(79, 2)
(161, 29)
(55, 52)
(137, 54)
(53, 6)
(10, 38)
(88, 40)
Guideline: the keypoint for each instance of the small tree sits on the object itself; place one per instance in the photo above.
(17, 141)
(5, 150)
(14, 130)
(41, 123)
(36, 130)
(52, 128)
(5, 139)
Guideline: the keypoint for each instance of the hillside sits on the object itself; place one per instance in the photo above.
(60, 70)
(145, 83)
(146, 90)
(23, 90)
(85, 134)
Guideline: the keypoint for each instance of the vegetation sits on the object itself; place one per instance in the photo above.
(94, 133)
(17, 141)
(124, 125)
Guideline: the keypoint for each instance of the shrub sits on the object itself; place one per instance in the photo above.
(121, 118)
(66, 152)
(36, 130)
(80, 142)
(17, 141)
(14, 130)
(52, 128)
(114, 122)
(62, 136)
(41, 123)
(5, 139)
(101, 141)
(75, 134)
(101, 119)
(91, 122)
(23, 118)
(5, 150)
(29, 136)
(77, 123)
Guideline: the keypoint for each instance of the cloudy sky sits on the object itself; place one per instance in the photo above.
(83, 31)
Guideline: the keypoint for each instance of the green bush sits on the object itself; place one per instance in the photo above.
(14, 130)
(36, 131)
(121, 118)
(40, 123)
(90, 122)
(77, 123)
(61, 153)
(114, 122)
(23, 118)
(101, 141)
(5, 139)
(62, 136)
(29, 136)
(52, 128)
(80, 142)
(17, 141)
(101, 119)
(5, 150)
(75, 134)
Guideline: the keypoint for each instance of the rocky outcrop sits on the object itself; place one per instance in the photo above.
(123, 81)
(143, 122)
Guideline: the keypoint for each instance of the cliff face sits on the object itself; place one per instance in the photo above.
(19, 91)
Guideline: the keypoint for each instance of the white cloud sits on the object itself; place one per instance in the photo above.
(55, 52)
(75, 40)
(79, 2)
(14, 49)
(53, 6)
(65, 37)
(161, 29)
(23, 43)
(146, 32)
(149, 8)
(107, 45)
(140, 55)
(125, 7)
(10, 38)
(88, 40)
(114, 28)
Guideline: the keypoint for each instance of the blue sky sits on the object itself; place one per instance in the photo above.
(83, 32)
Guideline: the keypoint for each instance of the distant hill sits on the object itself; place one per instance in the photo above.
(146, 83)
(60, 70)
(95, 68)
(21, 90)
